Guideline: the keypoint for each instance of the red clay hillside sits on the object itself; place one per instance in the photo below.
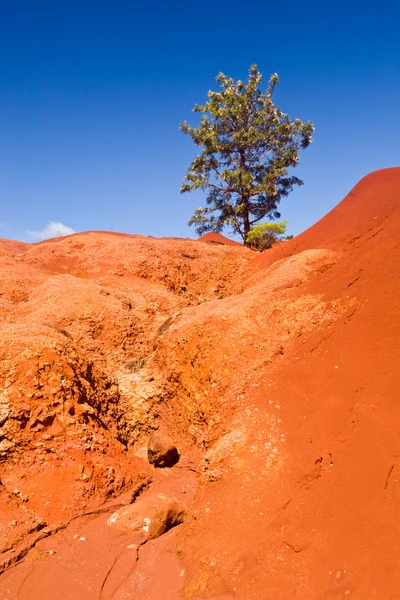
(272, 379)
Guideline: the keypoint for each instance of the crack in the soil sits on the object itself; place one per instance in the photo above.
(388, 476)
(23, 581)
(357, 277)
(110, 570)
(15, 560)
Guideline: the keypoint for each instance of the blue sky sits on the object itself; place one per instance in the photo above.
(92, 93)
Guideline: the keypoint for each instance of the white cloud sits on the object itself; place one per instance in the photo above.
(52, 229)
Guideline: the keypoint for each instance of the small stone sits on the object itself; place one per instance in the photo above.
(338, 574)
(161, 450)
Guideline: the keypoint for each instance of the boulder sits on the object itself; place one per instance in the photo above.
(149, 517)
(161, 450)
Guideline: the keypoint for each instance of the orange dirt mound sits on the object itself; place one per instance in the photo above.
(216, 238)
(276, 376)
(374, 201)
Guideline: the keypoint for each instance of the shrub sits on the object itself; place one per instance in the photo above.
(264, 235)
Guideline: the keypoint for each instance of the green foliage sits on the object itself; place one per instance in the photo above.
(264, 235)
(247, 146)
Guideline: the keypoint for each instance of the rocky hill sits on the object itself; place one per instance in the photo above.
(274, 377)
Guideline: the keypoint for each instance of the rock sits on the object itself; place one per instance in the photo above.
(161, 450)
(149, 517)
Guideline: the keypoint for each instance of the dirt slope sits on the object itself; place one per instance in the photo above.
(217, 238)
(276, 374)
(319, 518)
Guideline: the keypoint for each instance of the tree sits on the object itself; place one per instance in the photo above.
(264, 235)
(247, 147)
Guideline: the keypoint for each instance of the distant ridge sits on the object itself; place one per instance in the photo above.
(216, 238)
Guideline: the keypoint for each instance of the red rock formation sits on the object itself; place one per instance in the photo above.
(277, 376)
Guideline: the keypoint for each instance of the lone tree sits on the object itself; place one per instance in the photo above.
(247, 147)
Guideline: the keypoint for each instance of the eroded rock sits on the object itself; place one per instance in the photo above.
(149, 517)
(161, 450)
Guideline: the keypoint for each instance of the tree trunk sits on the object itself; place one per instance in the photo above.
(246, 220)
(245, 199)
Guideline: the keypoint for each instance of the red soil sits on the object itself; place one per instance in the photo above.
(216, 238)
(277, 376)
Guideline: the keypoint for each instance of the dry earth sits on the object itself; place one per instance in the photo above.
(277, 377)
